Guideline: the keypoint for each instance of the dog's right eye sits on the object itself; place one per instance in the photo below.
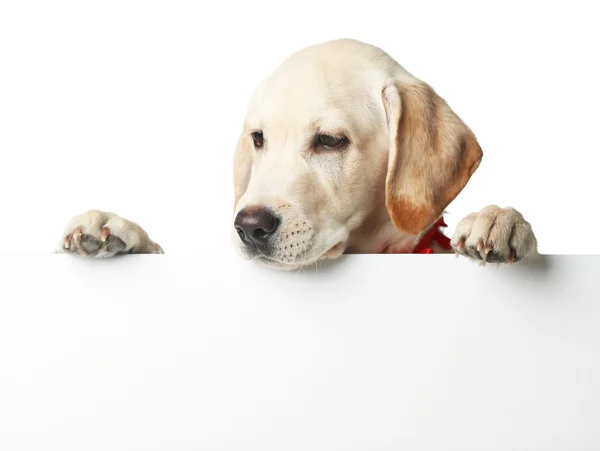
(259, 139)
(331, 142)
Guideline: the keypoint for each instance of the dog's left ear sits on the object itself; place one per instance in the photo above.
(432, 155)
(242, 167)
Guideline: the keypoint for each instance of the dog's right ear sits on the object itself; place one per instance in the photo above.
(433, 154)
(242, 166)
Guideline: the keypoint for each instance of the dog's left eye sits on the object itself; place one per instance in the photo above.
(259, 139)
(331, 142)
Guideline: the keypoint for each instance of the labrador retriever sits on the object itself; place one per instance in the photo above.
(342, 151)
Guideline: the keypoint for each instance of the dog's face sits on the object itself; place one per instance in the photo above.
(325, 146)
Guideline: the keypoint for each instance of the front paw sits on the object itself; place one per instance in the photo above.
(102, 234)
(495, 235)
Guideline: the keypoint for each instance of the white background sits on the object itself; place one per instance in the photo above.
(175, 353)
(135, 107)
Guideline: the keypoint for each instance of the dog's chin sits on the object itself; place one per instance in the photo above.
(331, 253)
(281, 265)
(270, 262)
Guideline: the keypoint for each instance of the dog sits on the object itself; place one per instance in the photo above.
(342, 151)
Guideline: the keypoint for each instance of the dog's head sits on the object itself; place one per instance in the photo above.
(338, 134)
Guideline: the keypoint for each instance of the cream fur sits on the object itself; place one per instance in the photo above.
(409, 156)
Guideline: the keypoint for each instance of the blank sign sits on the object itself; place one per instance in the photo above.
(371, 352)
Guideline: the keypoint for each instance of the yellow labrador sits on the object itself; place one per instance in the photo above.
(342, 151)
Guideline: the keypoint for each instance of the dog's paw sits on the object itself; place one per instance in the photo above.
(102, 234)
(495, 235)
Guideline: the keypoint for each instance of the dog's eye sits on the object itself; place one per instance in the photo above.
(331, 142)
(259, 139)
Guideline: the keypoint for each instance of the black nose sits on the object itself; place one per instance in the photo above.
(255, 225)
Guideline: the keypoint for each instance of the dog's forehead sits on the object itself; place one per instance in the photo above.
(296, 89)
(335, 80)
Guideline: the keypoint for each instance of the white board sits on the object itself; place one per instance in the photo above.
(181, 352)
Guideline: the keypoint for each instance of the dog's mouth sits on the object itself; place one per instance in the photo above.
(298, 263)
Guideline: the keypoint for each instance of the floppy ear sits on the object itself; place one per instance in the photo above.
(242, 167)
(432, 155)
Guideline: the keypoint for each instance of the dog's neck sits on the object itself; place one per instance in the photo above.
(378, 235)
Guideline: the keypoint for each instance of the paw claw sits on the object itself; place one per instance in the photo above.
(488, 248)
(105, 233)
(512, 256)
(77, 234)
(479, 245)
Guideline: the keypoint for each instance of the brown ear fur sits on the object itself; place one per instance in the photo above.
(432, 156)
(242, 167)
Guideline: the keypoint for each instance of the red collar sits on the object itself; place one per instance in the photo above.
(433, 234)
